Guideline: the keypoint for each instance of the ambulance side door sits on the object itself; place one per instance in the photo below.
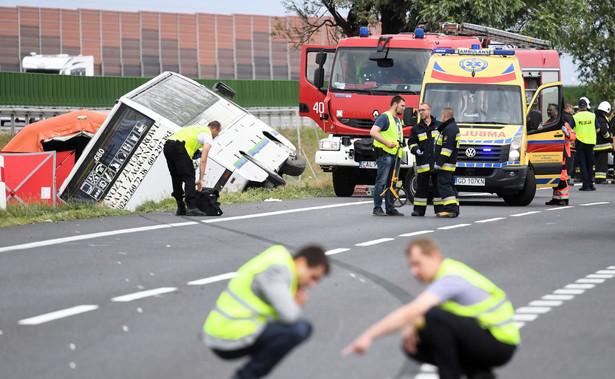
(545, 139)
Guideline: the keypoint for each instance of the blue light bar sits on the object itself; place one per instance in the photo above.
(443, 51)
(363, 31)
(419, 33)
(475, 46)
(504, 52)
(487, 149)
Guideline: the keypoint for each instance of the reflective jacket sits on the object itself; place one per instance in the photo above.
(190, 136)
(585, 127)
(240, 315)
(495, 313)
(604, 141)
(393, 133)
(447, 145)
(423, 137)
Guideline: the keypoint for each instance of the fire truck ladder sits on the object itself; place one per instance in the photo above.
(508, 38)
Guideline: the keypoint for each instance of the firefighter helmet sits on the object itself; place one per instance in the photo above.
(605, 107)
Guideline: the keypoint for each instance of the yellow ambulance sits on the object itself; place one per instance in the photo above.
(509, 115)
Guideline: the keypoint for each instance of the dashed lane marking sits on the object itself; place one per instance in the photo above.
(213, 279)
(58, 315)
(336, 251)
(412, 234)
(590, 204)
(525, 214)
(490, 220)
(560, 208)
(453, 226)
(144, 294)
(374, 242)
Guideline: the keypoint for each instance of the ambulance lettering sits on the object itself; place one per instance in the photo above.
(483, 133)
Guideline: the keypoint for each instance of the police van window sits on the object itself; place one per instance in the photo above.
(477, 104)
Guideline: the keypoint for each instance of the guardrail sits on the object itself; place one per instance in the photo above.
(13, 118)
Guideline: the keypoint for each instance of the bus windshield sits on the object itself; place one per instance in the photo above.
(477, 103)
(401, 72)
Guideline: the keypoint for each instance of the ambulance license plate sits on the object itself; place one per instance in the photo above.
(461, 181)
(367, 164)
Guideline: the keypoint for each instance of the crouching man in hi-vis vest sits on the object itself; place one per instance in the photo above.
(462, 322)
(257, 315)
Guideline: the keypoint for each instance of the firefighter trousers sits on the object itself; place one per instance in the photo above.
(448, 192)
(602, 165)
(426, 187)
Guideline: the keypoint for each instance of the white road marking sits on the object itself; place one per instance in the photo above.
(568, 291)
(580, 286)
(591, 281)
(490, 220)
(143, 294)
(213, 279)
(56, 241)
(533, 310)
(590, 204)
(558, 297)
(58, 315)
(559, 208)
(606, 272)
(426, 375)
(454, 226)
(611, 268)
(287, 211)
(545, 303)
(524, 214)
(520, 324)
(336, 251)
(525, 317)
(374, 242)
(416, 233)
(600, 276)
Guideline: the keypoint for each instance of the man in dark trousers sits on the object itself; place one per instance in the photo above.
(462, 322)
(422, 142)
(585, 128)
(179, 150)
(604, 142)
(258, 314)
(447, 146)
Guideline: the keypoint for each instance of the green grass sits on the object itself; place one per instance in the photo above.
(310, 184)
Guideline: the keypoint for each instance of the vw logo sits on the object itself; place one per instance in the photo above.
(470, 152)
(375, 114)
(473, 64)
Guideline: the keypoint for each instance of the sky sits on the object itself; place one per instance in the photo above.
(260, 7)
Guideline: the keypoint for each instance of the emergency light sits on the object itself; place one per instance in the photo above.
(363, 31)
(419, 33)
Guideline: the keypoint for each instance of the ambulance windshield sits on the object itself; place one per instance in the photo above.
(401, 71)
(477, 103)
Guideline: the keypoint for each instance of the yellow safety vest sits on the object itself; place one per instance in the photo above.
(585, 127)
(391, 134)
(495, 313)
(239, 313)
(189, 135)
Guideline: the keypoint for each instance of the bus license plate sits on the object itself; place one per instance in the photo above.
(367, 164)
(461, 181)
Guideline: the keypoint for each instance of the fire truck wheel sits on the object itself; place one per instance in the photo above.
(293, 165)
(410, 185)
(526, 195)
(343, 182)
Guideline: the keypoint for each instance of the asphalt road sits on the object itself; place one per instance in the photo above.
(126, 297)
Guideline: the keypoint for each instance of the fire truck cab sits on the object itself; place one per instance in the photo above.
(344, 88)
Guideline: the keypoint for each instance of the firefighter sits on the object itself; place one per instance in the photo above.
(561, 193)
(462, 322)
(604, 142)
(570, 166)
(258, 314)
(422, 144)
(585, 127)
(447, 146)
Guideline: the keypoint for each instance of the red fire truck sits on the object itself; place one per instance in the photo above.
(344, 88)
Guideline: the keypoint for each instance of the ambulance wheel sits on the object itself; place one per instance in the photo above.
(293, 165)
(272, 176)
(410, 185)
(526, 195)
(343, 182)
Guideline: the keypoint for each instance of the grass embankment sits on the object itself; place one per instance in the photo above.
(311, 184)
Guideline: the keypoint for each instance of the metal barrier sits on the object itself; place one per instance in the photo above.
(13, 118)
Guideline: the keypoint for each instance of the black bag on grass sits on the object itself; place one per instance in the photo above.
(207, 201)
